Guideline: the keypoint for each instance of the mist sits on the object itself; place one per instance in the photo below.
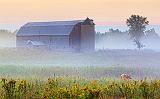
(113, 48)
(115, 54)
(7, 39)
(120, 39)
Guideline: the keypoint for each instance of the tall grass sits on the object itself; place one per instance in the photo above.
(67, 88)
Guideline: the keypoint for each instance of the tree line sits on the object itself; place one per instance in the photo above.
(137, 29)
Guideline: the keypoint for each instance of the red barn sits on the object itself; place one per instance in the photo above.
(77, 35)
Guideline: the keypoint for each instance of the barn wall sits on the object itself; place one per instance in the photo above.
(87, 37)
(75, 38)
(57, 42)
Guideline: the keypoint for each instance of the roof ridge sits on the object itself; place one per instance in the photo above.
(56, 21)
(53, 23)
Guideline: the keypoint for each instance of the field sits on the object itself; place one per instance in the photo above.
(42, 74)
(78, 88)
(47, 82)
(88, 72)
(128, 58)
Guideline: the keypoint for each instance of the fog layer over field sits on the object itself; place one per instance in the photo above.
(115, 54)
(40, 64)
(26, 57)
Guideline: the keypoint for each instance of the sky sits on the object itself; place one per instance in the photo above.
(104, 12)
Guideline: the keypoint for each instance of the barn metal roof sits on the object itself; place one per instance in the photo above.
(48, 28)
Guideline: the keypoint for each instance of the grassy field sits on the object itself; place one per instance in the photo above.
(69, 88)
(70, 82)
(88, 72)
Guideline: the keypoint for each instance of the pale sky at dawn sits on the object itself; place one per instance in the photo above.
(102, 11)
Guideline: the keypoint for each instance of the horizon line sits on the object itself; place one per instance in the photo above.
(13, 27)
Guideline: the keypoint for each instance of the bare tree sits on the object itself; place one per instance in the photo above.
(137, 26)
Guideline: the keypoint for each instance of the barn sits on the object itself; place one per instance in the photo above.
(77, 35)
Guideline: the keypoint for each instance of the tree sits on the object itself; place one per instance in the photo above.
(137, 26)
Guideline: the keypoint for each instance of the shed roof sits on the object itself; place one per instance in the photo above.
(48, 28)
(36, 43)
